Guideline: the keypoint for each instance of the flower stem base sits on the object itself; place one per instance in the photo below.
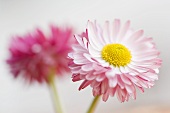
(93, 104)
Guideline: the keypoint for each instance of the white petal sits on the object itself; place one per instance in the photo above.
(75, 69)
(79, 39)
(113, 81)
(100, 78)
(97, 67)
(85, 42)
(106, 33)
(135, 36)
(87, 67)
(151, 76)
(129, 88)
(78, 56)
(99, 71)
(93, 52)
(79, 48)
(140, 69)
(147, 56)
(88, 57)
(117, 70)
(110, 73)
(102, 62)
(80, 61)
(130, 41)
(156, 70)
(125, 79)
(132, 71)
(93, 39)
(90, 76)
(115, 30)
(143, 84)
(120, 82)
(123, 69)
(123, 31)
(105, 64)
(99, 34)
(70, 55)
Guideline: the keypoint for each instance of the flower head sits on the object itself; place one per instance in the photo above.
(114, 59)
(36, 56)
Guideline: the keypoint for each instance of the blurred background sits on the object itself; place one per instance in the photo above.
(22, 16)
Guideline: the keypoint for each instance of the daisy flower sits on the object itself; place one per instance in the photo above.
(114, 60)
(36, 56)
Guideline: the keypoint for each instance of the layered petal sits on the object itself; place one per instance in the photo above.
(99, 70)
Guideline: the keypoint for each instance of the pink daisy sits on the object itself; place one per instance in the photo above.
(36, 56)
(114, 59)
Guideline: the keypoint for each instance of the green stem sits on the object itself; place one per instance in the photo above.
(93, 104)
(56, 99)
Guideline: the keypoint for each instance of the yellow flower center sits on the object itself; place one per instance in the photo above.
(116, 54)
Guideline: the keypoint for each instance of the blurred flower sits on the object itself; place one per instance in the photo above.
(114, 60)
(36, 56)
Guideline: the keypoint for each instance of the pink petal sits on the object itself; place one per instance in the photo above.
(95, 84)
(76, 78)
(141, 89)
(113, 91)
(84, 84)
(104, 87)
(105, 96)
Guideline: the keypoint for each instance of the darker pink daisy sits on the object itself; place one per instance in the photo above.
(114, 59)
(36, 56)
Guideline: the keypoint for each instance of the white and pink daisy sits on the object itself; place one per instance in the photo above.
(114, 59)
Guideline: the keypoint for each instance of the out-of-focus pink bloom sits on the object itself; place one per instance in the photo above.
(114, 59)
(36, 56)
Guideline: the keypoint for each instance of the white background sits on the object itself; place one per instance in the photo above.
(21, 16)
